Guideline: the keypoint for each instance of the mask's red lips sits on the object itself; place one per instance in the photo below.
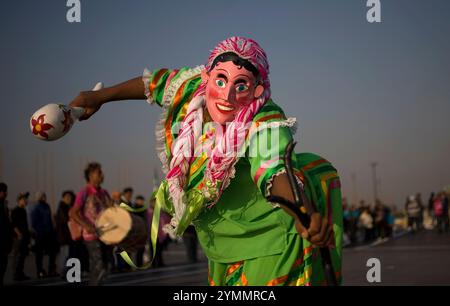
(225, 107)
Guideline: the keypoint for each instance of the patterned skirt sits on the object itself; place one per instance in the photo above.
(299, 265)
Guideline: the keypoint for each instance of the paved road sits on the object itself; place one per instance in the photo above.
(178, 271)
(420, 259)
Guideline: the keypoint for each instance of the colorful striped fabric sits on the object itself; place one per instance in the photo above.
(299, 264)
(323, 188)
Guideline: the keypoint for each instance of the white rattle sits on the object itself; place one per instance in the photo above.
(53, 121)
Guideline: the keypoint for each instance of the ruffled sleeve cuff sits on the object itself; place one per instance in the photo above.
(270, 183)
(147, 78)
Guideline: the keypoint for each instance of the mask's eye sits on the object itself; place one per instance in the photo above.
(241, 88)
(220, 83)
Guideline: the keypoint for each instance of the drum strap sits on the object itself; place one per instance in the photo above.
(153, 232)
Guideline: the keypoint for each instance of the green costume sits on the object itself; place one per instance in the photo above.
(248, 240)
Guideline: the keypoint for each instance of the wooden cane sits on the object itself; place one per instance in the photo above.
(299, 200)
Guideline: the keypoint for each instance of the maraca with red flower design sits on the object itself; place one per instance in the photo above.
(53, 121)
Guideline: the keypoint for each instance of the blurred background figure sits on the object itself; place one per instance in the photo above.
(89, 204)
(440, 211)
(421, 206)
(44, 235)
(115, 197)
(431, 208)
(127, 196)
(380, 220)
(139, 203)
(366, 223)
(21, 243)
(163, 238)
(390, 220)
(67, 247)
(413, 211)
(190, 241)
(353, 222)
(5, 231)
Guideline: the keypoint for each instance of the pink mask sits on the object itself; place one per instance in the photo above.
(228, 89)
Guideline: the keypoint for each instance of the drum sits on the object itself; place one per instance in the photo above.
(116, 226)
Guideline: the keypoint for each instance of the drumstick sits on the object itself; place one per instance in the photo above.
(107, 227)
(101, 230)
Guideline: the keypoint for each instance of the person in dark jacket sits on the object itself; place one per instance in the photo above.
(67, 249)
(21, 236)
(139, 203)
(191, 241)
(44, 235)
(5, 231)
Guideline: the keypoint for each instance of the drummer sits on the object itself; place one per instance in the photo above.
(89, 203)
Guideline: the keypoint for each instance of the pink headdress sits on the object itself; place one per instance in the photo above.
(221, 160)
(245, 48)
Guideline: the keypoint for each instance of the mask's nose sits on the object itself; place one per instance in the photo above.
(228, 94)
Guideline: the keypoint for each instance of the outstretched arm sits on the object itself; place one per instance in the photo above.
(92, 100)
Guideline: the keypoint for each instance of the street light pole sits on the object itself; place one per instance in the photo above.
(374, 178)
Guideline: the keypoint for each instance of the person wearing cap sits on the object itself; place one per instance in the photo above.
(5, 231)
(21, 236)
(221, 140)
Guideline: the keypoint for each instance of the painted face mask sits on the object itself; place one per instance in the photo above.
(233, 90)
(229, 88)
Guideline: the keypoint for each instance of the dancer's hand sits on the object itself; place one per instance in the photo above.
(320, 232)
(90, 100)
(90, 229)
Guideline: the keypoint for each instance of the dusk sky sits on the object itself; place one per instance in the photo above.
(361, 92)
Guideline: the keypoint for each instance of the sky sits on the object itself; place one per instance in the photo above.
(361, 92)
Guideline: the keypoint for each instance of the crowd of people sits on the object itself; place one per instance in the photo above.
(365, 223)
(70, 232)
(437, 209)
